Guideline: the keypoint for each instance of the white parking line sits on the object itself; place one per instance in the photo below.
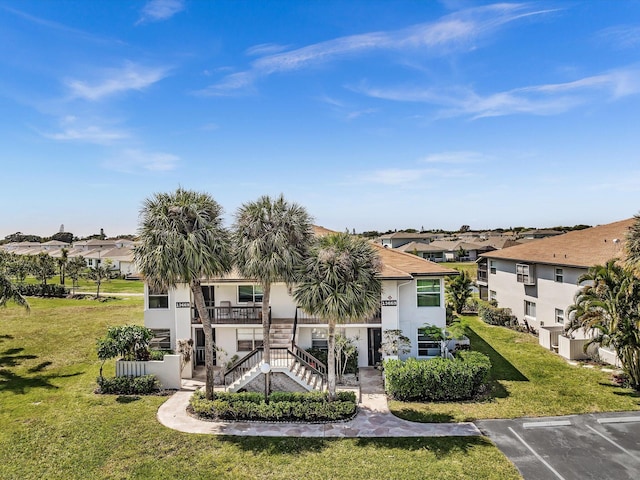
(551, 423)
(612, 442)
(537, 455)
(619, 420)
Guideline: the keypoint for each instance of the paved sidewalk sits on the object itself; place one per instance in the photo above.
(373, 419)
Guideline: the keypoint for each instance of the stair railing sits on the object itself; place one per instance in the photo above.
(242, 366)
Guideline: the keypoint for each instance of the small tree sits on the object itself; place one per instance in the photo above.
(394, 343)
(43, 267)
(185, 347)
(62, 264)
(9, 292)
(75, 267)
(131, 342)
(458, 291)
(98, 274)
(345, 348)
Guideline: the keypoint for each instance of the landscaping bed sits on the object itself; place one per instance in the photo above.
(312, 407)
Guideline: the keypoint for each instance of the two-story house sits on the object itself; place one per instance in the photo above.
(412, 297)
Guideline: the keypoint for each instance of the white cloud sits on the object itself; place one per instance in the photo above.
(265, 49)
(546, 99)
(454, 31)
(413, 176)
(622, 36)
(90, 134)
(134, 161)
(117, 80)
(158, 10)
(454, 158)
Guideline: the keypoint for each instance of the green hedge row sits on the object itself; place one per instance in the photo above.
(145, 385)
(282, 406)
(31, 290)
(437, 379)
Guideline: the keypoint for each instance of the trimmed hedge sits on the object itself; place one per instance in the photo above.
(437, 379)
(282, 406)
(31, 290)
(144, 385)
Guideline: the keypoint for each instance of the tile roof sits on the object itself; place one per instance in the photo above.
(398, 265)
(580, 248)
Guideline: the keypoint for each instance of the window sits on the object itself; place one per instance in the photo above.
(161, 339)
(559, 315)
(320, 338)
(493, 295)
(492, 266)
(525, 274)
(249, 339)
(428, 293)
(559, 275)
(158, 299)
(427, 346)
(529, 309)
(249, 293)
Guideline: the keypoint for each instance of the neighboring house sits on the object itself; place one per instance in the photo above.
(536, 234)
(121, 258)
(412, 296)
(538, 280)
(446, 250)
(398, 239)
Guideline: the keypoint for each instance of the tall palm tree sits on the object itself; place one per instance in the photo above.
(9, 292)
(338, 283)
(271, 237)
(632, 245)
(182, 240)
(608, 306)
(62, 263)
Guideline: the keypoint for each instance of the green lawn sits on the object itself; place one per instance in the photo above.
(116, 285)
(470, 267)
(54, 426)
(526, 380)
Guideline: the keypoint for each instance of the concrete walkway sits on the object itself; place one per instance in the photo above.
(373, 419)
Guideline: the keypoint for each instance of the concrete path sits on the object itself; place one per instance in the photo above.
(373, 419)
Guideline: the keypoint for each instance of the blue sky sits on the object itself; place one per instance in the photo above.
(374, 115)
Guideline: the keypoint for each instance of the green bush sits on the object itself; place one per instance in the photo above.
(321, 354)
(282, 406)
(437, 379)
(31, 290)
(159, 354)
(496, 315)
(144, 385)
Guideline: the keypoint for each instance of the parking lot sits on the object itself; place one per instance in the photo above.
(599, 446)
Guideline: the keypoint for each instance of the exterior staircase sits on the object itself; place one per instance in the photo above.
(286, 358)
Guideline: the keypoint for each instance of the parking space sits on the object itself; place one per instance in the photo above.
(598, 446)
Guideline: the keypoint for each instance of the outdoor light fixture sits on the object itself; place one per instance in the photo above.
(266, 368)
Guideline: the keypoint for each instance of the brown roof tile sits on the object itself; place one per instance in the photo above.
(581, 248)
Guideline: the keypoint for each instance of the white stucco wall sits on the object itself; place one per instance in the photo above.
(547, 294)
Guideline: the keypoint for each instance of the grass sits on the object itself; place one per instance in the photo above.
(470, 267)
(526, 380)
(115, 285)
(54, 426)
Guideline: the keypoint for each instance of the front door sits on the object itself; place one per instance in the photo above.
(200, 346)
(374, 344)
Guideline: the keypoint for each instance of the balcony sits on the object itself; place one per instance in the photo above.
(240, 314)
(304, 318)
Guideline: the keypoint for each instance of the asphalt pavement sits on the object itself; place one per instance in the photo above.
(595, 446)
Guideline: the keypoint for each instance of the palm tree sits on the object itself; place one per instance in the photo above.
(9, 292)
(632, 244)
(182, 240)
(271, 237)
(62, 263)
(459, 290)
(609, 307)
(338, 282)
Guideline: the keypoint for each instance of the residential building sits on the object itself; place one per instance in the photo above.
(538, 280)
(412, 297)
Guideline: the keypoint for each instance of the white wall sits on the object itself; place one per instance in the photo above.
(547, 294)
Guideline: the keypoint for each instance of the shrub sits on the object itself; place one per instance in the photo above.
(282, 406)
(496, 315)
(145, 385)
(320, 354)
(159, 354)
(437, 379)
(29, 290)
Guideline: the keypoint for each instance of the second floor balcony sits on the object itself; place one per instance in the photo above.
(238, 314)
